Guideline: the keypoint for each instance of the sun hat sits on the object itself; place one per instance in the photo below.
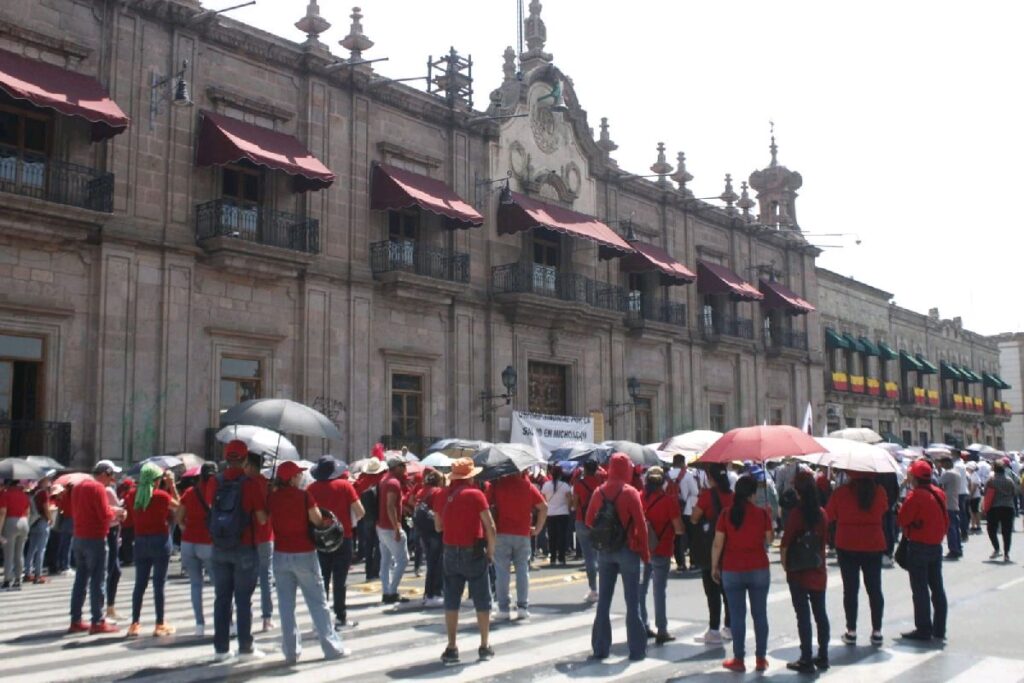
(325, 468)
(373, 466)
(463, 468)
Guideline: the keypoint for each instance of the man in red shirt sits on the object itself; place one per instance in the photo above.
(515, 499)
(339, 496)
(582, 490)
(93, 516)
(394, 544)
(464, 519)
(925, 520)
(235, 569)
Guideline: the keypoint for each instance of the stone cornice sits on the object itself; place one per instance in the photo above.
(825, 275)
(254, 105)
(264, 336)
(44, 41)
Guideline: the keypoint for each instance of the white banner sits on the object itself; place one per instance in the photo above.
(550, 431)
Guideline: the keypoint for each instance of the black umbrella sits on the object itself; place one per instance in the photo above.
(457, 448)
(17, 468)
(640, 455)
(582, 452)
(500, 459)
(283, 416)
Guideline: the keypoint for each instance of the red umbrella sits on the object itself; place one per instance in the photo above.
(72, 478)
(759, 444)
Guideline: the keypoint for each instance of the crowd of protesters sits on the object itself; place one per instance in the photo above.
(302, 531)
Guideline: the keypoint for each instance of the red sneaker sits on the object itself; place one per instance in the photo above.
(40, 579)
(102, 627)
(735, 665)
(761, 665)
(78, 627)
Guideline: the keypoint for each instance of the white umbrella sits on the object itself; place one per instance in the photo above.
(697, 441)
(260, 440)
(853, 456)
(862, 434)
(437, 460)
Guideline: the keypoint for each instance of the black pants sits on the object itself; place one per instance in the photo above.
(334, 569)
(371, 548)
(851, 565)
(1000, 518)
(433, 550)
(806, 602)
(716, 598)
(558, 537)
(113, 563)
(924, 566)
(127, 545)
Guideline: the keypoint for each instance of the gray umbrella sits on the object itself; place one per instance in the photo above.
(457, 448)
(17, 468)
(640, 455)
(283, 416)
(500, 459)
(46, 462)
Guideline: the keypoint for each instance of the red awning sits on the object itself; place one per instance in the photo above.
(649, 257)
(70, 93)
(778, 296)
(525, 214)
(715, 279)
(396, 188)
(224, 140)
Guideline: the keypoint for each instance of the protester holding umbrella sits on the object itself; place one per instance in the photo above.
(924, 520)
(156, 497)
(196, 545)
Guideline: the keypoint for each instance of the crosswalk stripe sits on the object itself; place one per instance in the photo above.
(896, 660)
(991, 669)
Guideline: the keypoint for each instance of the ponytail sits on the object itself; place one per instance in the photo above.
(865, 490)
(804, 486)
(721, 479)
(745, 488)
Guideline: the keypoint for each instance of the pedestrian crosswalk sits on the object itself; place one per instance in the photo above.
(406, 643)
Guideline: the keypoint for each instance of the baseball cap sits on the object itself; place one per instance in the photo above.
(920, 469)
(395, 460)
(236, 450)
(288, 469)
(105, 467)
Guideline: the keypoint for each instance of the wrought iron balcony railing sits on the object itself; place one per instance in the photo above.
(714, 326)
(640, 308)
(34, 175)
(787, 339)
(530, 278)
(412, 257)
(19, 438)
(257, 224)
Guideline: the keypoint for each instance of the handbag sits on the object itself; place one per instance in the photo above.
(986, 503)
(703, 536)
(900, 556)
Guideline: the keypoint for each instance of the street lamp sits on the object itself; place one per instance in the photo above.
(508, 380)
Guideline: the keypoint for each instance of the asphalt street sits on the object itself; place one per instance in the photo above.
(985, 636)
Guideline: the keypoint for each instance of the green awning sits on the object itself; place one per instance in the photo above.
(908, 362)
(926, 366)
(950, 371)
(990, 381)
(869, 347)
(833, 340)
(969, 375)
(886, 352)
(1000, 384)
(854, 345)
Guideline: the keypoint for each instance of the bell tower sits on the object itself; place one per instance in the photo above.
(776, 188)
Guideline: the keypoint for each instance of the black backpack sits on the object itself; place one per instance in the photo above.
(227, 518)
(607, 533)
(805, 551)
(370, 504)
(423, 518)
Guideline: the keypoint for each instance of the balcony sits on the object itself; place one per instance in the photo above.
(713, 327)
(36, 176)
(778, 341)
(997, 412)
(642, 309)
(918, 402)
(528, 289)
(224, 218)
(19, 438)
(418, 259)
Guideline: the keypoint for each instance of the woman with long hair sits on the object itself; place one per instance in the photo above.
(1000, 512)
(558, 494)
(739, 562)
(857, 507)
(807, 527)
(196, 544)
(710, 503)
(156, 497)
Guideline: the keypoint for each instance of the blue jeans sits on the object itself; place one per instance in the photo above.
(91, 570)
(851, 564)
(196, 558)
(953, 533)
(394, 556)
(302, 571)
(38, 536)
(589, 554)
(804, 603)
(67, 534)
(609, 566)
(924, 565)
(466, 567)
(265, 552)
(234, 578)
(737, 586)
(508, 551)
(152, 554)
(658, 568)
(113, 563)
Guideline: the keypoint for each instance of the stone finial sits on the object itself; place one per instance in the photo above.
(509, 65)
(745, 203)
(661, 167)
(355, 42)
(312, 24)
(682, 176)
(604, 141)
(729, 196)
(536, 33)
(773, 147)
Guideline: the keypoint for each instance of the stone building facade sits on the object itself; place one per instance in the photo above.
(296, 225)
(1011, 369)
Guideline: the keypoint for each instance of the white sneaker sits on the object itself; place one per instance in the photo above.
(200, 630)
(726, 633)
(345, 652)
(710, 637)
(591, 596)
(523, 614)
(435, 602)
(224, 656)
(502, 615)
(254, 653)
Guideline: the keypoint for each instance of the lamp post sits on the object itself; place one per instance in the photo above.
(509, 378)
(633, 389)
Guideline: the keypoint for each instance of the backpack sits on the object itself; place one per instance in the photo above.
(227, 518)
(607, 533)
(371, 504)
(423, 518)
(703, 535)
(804, 552)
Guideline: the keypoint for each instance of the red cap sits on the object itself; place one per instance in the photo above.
(288, 469)
(921, 470)
(236, 450)
(378, 451)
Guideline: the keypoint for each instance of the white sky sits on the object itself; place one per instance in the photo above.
(902, 117)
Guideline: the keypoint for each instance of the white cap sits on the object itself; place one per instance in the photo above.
(105, 466)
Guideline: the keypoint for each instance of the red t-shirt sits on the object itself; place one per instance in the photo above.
(461, 514)
(42, 501)
(16, 501)
(253, 497)
(744, 547)
(856, 529)
(810, 579)
(584, 488)
(289, 515)
(706, 503)
(514, 499)
(264, 532)
(64, 503)
(153, 520)
(629, 505)
(195, 529)
(389, 485)
(924, 519)
(661, 509)
(91, 512)
(337, 495)
(366, 481)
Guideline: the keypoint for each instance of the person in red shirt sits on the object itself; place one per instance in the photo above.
(665, 522)
(624, 562)
(423, 517)
(235, 569)
(924, 520)
(292, 511)
(807, 586)
(196, 545)
(857, 508)
(582, 489)
(39, 524)
(264, 543)
(740, 563)
(340, 497)
(14, 506)
(703, 520)
(65, 531)
(93, 515)
(515, 500)
(369, 548)
(156, 498)
(467, 529)
(394, 544)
